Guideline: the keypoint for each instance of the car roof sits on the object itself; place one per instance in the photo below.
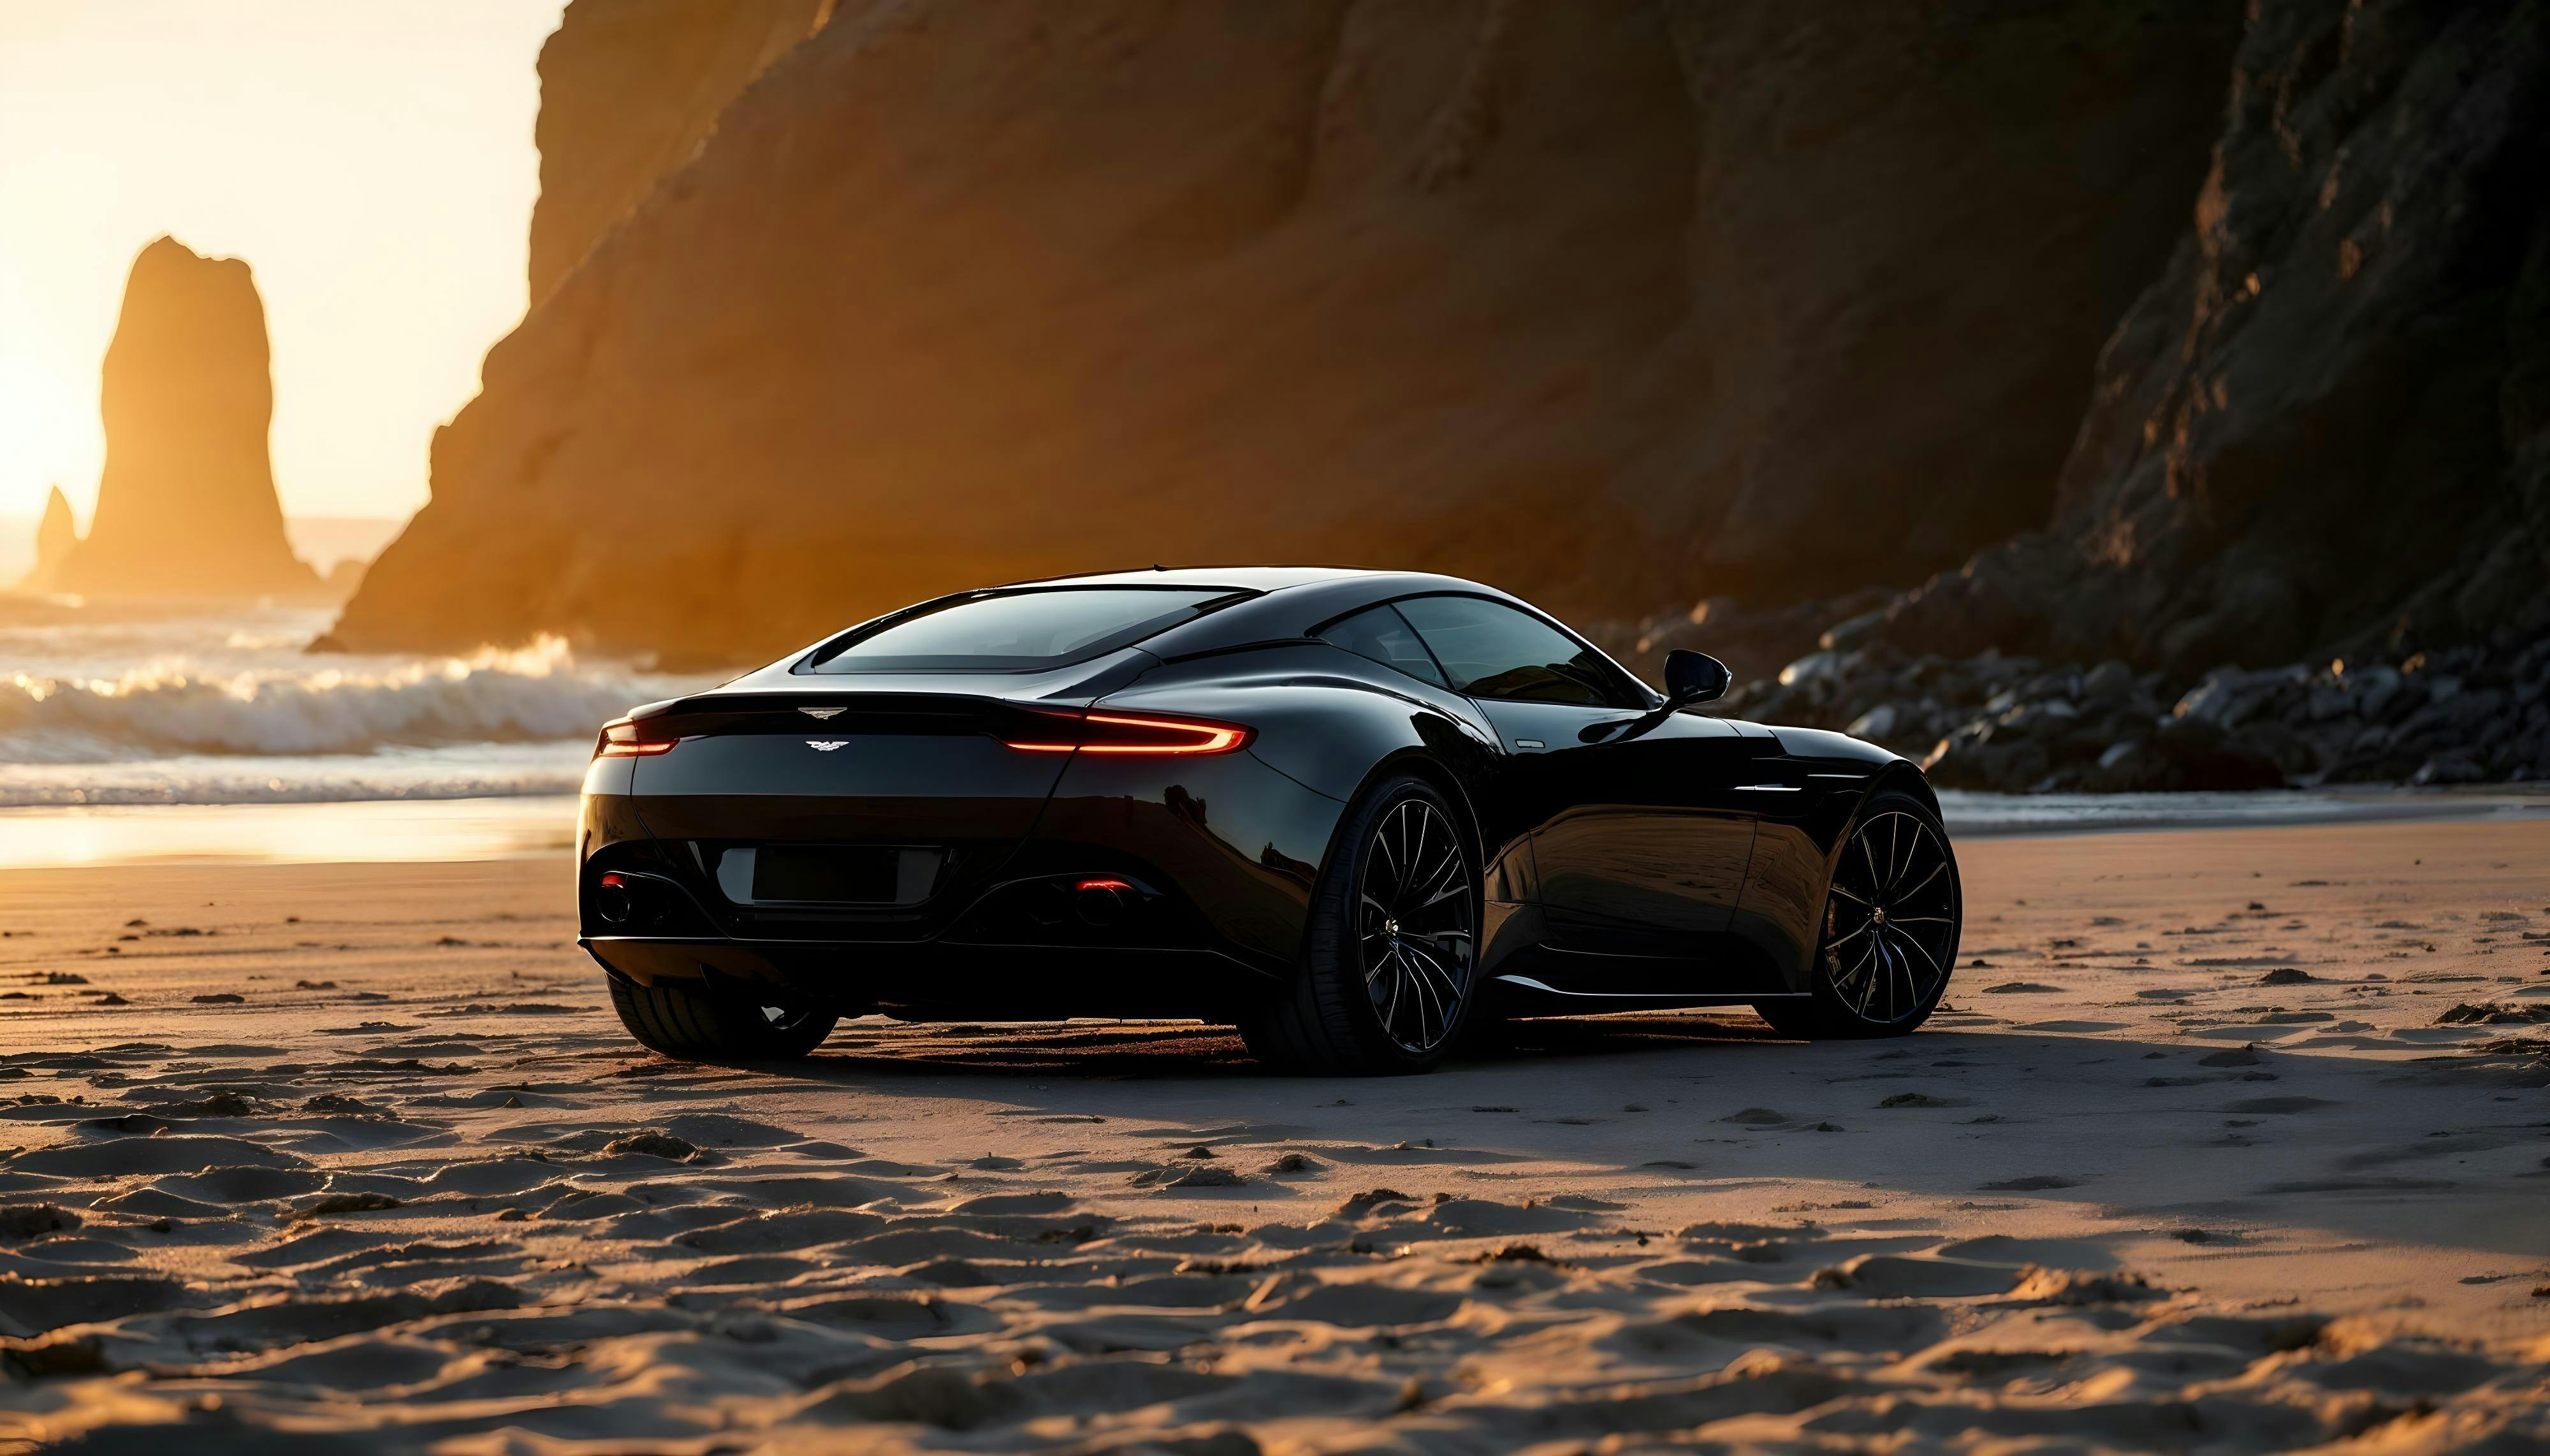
(1289, 599)
(1250, 578)
(1326, 583)
(1286, 600)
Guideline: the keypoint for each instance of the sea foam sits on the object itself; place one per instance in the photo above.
(315, 706)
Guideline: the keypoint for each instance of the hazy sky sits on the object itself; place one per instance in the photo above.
(372, 161)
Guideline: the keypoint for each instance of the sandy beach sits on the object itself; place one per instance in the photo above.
(2229, 1140)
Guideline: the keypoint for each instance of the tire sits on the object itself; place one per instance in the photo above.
(1887, 940)
(698, 1022)
(1388, 975)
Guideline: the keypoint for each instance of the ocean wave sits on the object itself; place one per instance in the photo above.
(533, 693)
(478, 771)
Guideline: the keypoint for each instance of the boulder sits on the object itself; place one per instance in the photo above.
(1864, 627)
(2454, 766)
(2109, 682)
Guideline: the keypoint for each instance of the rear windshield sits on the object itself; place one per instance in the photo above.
(1019, 632)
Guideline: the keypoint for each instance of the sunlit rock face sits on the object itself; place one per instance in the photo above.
(629, 88)
(2326, 428)
(56, 536)
(1611, 302)
(186, 506)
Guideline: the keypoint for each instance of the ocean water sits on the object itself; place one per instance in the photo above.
(133, 735)
(129, 706)
(1971, 814)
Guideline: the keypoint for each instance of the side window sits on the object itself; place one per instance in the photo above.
(1382, 634)
(1492, 650)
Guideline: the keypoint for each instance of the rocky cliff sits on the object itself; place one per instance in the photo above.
(56, 536)
(1608, 302)
(629, 88)
(186, 503)
(2324, 429)
(2303, 535)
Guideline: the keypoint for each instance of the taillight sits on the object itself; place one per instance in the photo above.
(1124, 733)
(619, 740)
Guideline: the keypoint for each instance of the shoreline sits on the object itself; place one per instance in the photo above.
(467, 829)
(1976, 815)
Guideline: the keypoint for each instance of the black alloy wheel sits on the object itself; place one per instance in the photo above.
(1415, 933)
(1887, 937)
(1389, 970)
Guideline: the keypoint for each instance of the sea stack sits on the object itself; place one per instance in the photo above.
(56, 536)
(186, 506)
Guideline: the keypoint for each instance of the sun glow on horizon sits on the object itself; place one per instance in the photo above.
(372, 162)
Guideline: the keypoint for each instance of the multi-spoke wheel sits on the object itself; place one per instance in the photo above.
(1414, 929)
(1386, 973)
(1889, 931)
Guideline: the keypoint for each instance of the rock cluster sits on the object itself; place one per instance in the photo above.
(2324, 429)
(2455, 715)
(1752, 642)
(2321, 434)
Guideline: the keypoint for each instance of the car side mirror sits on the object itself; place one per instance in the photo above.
(1695, 677)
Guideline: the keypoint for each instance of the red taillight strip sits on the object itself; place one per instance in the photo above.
(619, 740)
(1210, 737)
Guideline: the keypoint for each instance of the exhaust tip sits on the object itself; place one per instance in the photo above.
(1099, 903)
(611, 899)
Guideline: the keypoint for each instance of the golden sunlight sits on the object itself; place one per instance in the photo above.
(371, 163)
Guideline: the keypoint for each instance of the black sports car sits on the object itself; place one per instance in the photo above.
(1350, 812)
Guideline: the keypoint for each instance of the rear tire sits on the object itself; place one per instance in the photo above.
(698, 1022)
(1387, 974)
(1888, 936)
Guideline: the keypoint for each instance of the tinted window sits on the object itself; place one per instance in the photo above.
(1493, 651)
(1382, 634)
(1019, 632)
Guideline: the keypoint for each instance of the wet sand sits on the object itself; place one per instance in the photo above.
(2229, 1140)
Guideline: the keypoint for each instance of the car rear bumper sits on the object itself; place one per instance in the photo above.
(948, 979)
(1203, 870)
